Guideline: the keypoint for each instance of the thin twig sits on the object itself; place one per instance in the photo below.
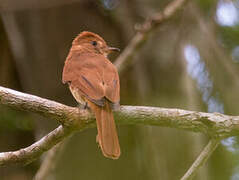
(201, 159)
(143, 30)
(49, 162)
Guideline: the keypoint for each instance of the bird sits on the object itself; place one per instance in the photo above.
(94, 83)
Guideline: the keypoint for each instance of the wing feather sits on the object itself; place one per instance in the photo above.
(95, 77)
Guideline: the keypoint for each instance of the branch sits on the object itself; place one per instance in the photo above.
(143, 30)
(63, 114)
(29, 154)
(213, 124)
(49, 162)
(202, 159)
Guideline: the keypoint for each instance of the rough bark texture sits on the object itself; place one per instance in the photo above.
(215, 125)
(29, 154)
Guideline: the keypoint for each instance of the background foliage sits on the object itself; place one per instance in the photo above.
(190, 62)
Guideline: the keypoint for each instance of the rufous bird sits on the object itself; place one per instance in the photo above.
(94, 82)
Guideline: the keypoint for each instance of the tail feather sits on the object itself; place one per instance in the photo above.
(107, 133)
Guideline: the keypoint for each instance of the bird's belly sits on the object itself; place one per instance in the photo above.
(76, 94)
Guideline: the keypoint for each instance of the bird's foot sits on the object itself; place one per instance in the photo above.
(83, 106)
(97, 140)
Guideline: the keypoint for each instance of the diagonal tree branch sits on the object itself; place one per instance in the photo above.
(29, 154)
(50, 161)
(143, 31)
(201, 159)
(213, 124)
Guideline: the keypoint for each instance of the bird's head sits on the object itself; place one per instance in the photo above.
(92, 43)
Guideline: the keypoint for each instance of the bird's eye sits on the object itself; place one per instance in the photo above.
(94, 43)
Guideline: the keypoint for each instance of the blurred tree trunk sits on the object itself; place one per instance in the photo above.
(39, 35)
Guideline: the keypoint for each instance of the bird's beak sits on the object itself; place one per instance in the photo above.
(114, 49)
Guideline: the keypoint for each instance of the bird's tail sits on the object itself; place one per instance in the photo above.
(107, 133)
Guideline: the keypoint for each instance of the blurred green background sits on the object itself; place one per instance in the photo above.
(190, 62)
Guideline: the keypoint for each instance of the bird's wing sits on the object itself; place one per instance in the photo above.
(94, 76)
(111, 83)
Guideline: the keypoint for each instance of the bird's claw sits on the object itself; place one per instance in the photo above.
(83, 106)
